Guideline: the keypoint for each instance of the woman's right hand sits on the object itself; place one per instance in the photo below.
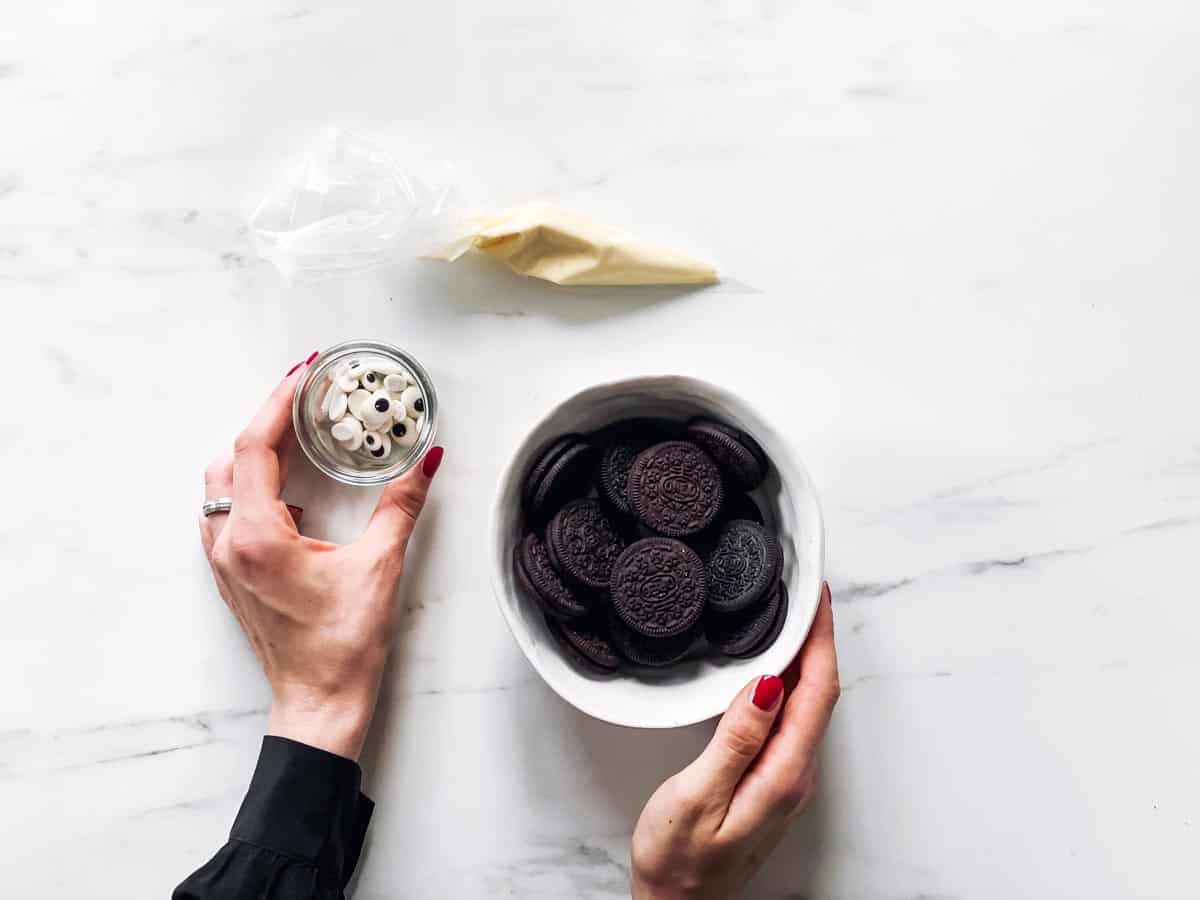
(706, 830)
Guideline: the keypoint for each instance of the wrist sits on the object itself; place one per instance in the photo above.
(650, 886)
(334, 722)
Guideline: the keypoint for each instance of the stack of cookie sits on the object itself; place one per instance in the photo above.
(643, 544)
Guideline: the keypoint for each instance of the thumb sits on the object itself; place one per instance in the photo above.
(740, 735)
(400, 505)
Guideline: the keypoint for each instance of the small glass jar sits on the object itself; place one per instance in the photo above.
(313, 425)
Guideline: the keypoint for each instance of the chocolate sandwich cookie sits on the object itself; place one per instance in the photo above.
(583, 544)
(773, 632)
(649, 651)
(559, 474)
(538, 577)
(744, 565)
(587, 642)
(542, 463)
(737, 453)
(657, 587)
(736, 506)
(624, 441)
(739, 633)
(675, 488)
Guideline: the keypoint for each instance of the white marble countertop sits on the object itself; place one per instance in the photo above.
(961, 243)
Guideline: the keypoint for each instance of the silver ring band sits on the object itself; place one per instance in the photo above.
(219, 505)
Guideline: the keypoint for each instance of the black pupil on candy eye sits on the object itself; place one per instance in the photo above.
(381, 405)
(419, 404)
(377, 452)
(398, 429)
(370, 376)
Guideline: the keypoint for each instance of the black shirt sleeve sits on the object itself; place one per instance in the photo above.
(297, 835)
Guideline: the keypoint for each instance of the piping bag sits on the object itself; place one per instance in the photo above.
(348, 206)
(564, 247)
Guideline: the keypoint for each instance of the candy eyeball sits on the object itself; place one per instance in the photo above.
(348, 432)
(413, 400)
(357, 400)
(378, 444)
(373, 417)
(404, 433)
(382, 366)
(338, 403)
(372, 405)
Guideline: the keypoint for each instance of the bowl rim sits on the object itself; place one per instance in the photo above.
(497, 531)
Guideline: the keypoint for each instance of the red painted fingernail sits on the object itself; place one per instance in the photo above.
(433, 459)
(303, 362)
(767, 692)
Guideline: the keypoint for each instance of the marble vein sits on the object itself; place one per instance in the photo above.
(959, 228)
(1062, 457)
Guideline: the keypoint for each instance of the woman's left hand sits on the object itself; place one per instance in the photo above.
(319, 616)
(709, 828)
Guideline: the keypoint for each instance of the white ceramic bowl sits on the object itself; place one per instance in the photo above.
(698, 688)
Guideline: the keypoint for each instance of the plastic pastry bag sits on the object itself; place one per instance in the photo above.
(348, 206)
(564, 247)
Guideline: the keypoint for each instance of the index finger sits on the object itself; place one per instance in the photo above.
(778, 776)
(256, 469)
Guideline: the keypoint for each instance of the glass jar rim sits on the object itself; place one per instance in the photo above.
(305, 427)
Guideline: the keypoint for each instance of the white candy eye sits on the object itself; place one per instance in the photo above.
(348, 432)
(378, 444)
(338, 401)
(381, 402)
(337, 372)
(414, 400)
(377, 411)
(395, 383)
(346, 429)
(404, 433)
(372, 381)
(382, 366)
(346, 383)
(357, 401)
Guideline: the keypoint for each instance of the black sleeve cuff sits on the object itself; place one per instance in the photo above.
(305, 803)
